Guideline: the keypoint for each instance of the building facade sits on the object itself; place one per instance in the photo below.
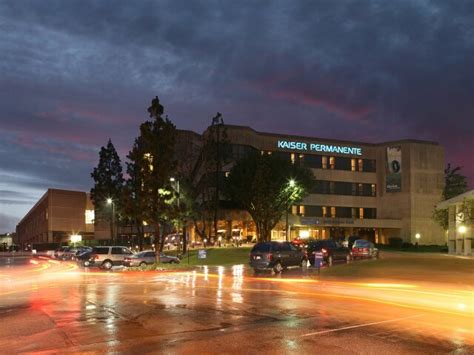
(460, 223)
(376, 191)
(55, 217)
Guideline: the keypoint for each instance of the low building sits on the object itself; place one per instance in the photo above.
(6, 241)
(55, 217)
(460, 223)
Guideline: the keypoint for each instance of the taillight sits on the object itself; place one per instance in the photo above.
(269, 257)
(127, 259)
(365, 249)
(95, 257)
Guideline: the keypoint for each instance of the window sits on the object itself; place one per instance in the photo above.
(101, 251)
(325, 162)
(332, 187)
(373, 190)
(285, 247)
(333, 212)
(325, 211)
(294, 209)
(353, 165)
(261, 248)
(361, 213)
(354, 212)
(361, 165)
(332, 162)
(302, 210)
(360, 189)
(126, 251)
(117, 250)
(150, 254)
(293, 158)
(46, 214)
(354, 189)
(89, 216)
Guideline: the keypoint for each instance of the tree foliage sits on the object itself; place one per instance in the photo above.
(266, 186)
(108, 183)
(454, 184)
(151, 162)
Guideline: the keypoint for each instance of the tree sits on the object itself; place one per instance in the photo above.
(133, 201)
(266, 186)
(454, 185)
(207, 193)
(152, 161)
(108, 184)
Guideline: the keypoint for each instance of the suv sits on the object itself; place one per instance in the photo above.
(331, 251)
(276, 256)
(364, 249)
(106, 257)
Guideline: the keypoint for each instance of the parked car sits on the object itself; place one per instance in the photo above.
(276, 256)
(85, 258)
(331, 250)
(106, 257)
(364, 249)
(68, 253)
(149, 257)
(59, 252)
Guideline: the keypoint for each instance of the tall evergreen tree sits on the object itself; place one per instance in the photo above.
(152, 163)
(108, 184)
(454, 184)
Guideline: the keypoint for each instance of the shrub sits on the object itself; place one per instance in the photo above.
(395, 242)
(407, 245)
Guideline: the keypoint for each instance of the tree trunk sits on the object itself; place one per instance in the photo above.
(185, 240)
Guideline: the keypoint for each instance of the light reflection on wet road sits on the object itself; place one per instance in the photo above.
(57, 306)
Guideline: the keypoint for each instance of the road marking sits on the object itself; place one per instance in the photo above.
(359, 326)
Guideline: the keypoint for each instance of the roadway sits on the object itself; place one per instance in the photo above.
(57, 307)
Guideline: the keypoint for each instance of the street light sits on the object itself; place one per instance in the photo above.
(417, 236)
(112, 227)
(462, 229)
(76, 238)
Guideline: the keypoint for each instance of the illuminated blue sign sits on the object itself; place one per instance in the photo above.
(313, 147)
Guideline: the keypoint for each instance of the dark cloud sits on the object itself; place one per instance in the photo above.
(78, 72)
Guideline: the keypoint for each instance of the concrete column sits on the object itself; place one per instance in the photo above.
(467, 246)
(459, 245)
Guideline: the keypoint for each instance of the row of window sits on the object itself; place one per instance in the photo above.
(343, 188)
(334, 212)
(329, 162)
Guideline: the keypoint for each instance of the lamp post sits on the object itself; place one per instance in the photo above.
(112, 224)
(417, 236)
(176, 182)
(292, 184)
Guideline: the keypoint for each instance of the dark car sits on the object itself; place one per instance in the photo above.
(275, 256)
(331, 250)
(364, 249)
(85, 258)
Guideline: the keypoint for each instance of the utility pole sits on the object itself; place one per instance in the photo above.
(217, 121)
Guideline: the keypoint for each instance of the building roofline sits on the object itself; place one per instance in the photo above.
(43, 197)
(468, 195)
(408, 140)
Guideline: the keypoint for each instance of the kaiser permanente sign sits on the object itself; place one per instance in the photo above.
(312, 147)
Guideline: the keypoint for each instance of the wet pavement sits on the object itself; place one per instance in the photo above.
(57, 307)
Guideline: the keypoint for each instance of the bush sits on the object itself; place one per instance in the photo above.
(395, 242)
(407, 245)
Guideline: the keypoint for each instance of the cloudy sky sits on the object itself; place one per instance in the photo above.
(74, 73)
